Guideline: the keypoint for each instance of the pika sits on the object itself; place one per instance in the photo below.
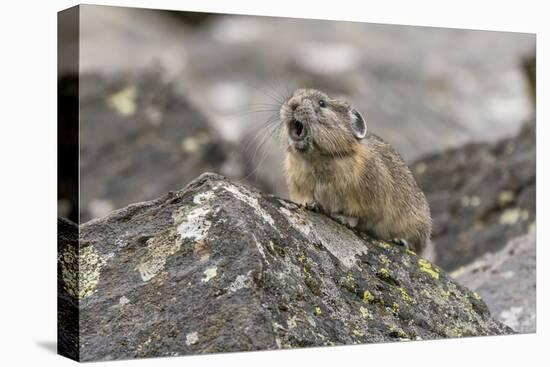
(334, 165)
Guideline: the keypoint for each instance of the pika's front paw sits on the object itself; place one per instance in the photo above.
(313, 206)
(402, 242)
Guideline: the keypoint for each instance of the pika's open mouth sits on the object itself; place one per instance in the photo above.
(296, 130)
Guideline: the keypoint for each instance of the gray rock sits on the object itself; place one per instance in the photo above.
(481, 196)
(507, 282)
(221, 267)
(139, 139)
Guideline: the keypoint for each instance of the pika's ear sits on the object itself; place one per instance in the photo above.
(358, 124)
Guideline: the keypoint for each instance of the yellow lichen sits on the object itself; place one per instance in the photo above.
(404, 295)
(395, 307)
(411, 252)
(427, 267)
(367, 296)
(318, 311)
(384, 273)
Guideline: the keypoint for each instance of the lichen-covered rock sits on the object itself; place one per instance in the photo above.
(481, 196)
(220, 267)
(507, 282)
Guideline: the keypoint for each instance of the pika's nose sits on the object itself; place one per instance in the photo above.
(294, 102)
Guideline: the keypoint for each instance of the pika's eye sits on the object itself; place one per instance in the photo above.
(322, 103)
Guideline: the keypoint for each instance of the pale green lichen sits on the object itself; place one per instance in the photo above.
(158, 250)
(123, 101)
(358, 332)
(365, 312)
(477, 296)
(192, 144)
(506, 197)
(209, 274)
(511, 216)
(81, 271)
(405, 296)
(428, 268)
(367, 296)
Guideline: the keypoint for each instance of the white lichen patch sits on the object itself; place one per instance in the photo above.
(123, 101)
(80, 272)
(341, 243)
(260, 248)
(511, 216)
(291, 323)
(203, 197)
(296, 221)
(364, 312)
(192, 338)
(192, 223)
(249, 198)
(123, 301)
(323, 230)
(240, 282)
(159, 249)
(209, 274)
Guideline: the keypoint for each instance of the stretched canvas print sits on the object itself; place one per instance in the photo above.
(241, 183)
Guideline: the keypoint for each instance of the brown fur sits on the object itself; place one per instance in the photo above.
(363, 179)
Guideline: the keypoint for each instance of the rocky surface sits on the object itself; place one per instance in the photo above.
(507, 282)
(219, 267)
(481, 196)
(140, 139)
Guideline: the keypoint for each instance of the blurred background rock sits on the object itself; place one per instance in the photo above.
(167, 95)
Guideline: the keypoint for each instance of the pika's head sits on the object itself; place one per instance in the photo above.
(316, 124)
